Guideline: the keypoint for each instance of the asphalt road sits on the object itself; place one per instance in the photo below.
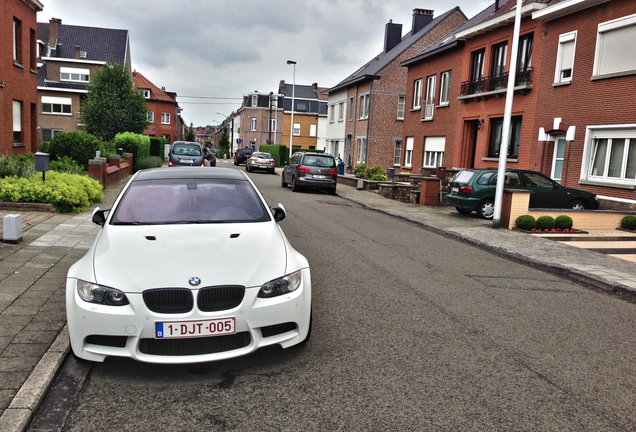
(412, 331)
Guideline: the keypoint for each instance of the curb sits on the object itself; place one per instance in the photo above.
(18, 415)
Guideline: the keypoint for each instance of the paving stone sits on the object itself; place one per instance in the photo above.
(13, 380)
(37, 326)
(6, 396)
(24, 350)
(18, 364)
(38, 337)
(20, 310)
(12, 325)
(4, 342)
(30, 302)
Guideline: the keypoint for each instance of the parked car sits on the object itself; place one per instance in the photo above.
(311, 170)
(474, 190)
(242, 155)
(189, 266)
(260, 161)
(186, 153)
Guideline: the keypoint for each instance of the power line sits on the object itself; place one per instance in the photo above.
(209, 97)
(208, 103)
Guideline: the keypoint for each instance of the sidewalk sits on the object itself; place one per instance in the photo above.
(34, 340)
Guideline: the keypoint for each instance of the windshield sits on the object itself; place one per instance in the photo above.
(189, 201)
(186, 150)
(319, 161)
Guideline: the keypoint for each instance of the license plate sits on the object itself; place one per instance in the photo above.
(185, 329)
(187, 160)
(262, 166)
(455, 189)
(318, 176)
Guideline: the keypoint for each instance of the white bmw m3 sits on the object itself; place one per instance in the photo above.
(190, 266)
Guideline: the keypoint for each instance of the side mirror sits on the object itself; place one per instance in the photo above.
(279, 212)
(98, 216)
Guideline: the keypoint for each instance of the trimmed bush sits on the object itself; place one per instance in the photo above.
(150, 162)
(526, 222)
(360, 170)
(79, 146)
(545, 223)
(158, 146)
(629, 222)
(378, 177)
(22, 165)
(138, 145)
(67, 192)
(66, 165)
(563, 222)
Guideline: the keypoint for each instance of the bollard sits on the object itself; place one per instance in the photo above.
(360, 185)
(12, 229)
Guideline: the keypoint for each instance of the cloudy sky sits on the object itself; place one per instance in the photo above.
(219, 50)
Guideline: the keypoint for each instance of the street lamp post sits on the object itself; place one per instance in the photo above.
(291, 135)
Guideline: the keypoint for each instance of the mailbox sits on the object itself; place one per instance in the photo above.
(41, 162)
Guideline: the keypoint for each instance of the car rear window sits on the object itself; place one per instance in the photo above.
(186, 150)
(262, 155)
(177, 201)
(319, 161)
(464, 176)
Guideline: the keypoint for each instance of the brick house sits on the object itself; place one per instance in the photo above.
(18, 76)
(586, 115)
(69, 58)
(375, 95)
(260, 120)
(310, 115)
(163, 109)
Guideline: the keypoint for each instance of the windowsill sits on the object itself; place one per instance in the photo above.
(34, 72)
(613, 75)
(496, 159)
(363, 118)
(607, 184)
(18, 65)
(426, 119)
(57, 114)
(407, 166)
(415, 109)
(560, 84)
(399, 119)
(446, 105)
(17, 145)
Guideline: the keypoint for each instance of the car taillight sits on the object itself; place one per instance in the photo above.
(304, 170)
(254, 159)
(203, 163)
(170, 162)
(465, 189)
(271, 160)
(332, 172)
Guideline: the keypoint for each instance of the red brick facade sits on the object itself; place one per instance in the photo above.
(164, 109)
(18, 79)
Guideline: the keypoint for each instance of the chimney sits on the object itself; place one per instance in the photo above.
(392, 35)
(54, 24)
(421, 18)
(77, 52)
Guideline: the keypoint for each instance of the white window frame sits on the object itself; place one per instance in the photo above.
(401, 107)
(254, 100)
(362, 149)
(57, 106)
(364, 106)
(408, 153)
(17, 32)
(609, 132)
(444, 88)
(75, 75)
(564, 40)
(429, 101)
(341, 108)
(558, 140)
(397, 153)
(434, 148)
(313, 128)
(603, 28)
(17, 120)
(53, 133)
(272, 125)
(165, 118)
(417, 94)
(296, 129)
(351, 108)
(253, 124)
(145, 92)
(150, 116)
(332, 108)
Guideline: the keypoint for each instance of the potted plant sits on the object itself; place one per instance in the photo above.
(349, 168)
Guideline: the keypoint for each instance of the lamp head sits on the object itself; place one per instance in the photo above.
(291, 62)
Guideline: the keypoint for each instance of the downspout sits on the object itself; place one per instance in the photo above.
(366, 154)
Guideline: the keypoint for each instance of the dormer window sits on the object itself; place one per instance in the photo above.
(74, 74)
(145, 92)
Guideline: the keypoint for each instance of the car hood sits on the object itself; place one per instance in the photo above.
(136, 258)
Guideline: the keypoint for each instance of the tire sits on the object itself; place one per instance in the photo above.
(332, 191)
(463, 211)
(273, 171)
(295, 186)
(247, 168)
(282, 180)
(235, 164)
(577, 205)
(486, 209)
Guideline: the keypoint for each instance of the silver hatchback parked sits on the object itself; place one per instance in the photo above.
(310, 170)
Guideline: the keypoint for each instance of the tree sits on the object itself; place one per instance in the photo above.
(189, 136)
(112, 105)
(224, 142)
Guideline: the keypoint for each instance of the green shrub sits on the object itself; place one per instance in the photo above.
(67, 192)
(563, 222)
(150, 162)
(279, 152)
(526, 222)
(360, 170)
(66, 165)
(79, 146)
(378, 177)
(138, 145)
(629, 222)
(22, 165)
(157, 146)
(545, 223)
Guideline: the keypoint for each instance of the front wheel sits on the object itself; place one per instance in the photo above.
(295, 185)
(247, 168)
(577, 205)
(463, 211)
(282, 180)
(486, 209)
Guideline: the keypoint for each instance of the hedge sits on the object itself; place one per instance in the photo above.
(158, 147)
(138, 145)
(79, 146)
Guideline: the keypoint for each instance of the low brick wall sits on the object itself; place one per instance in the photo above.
(27, 207)
(110, 172)
(400, 192)
(353, 181)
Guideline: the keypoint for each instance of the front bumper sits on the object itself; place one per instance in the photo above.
(98, 331)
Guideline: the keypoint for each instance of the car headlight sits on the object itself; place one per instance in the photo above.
(93, 293)
(281, 286)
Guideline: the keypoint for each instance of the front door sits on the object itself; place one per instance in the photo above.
(558, 158)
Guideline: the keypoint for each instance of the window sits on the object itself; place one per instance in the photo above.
(444, 90)
(429, 102)
(274, 102)
(364, 106)
(477, 69)
(17, 39)
(49, 134)
(401, 106)
(56, 105)
(332, 108)
(33, 55)
(351, 108)
(614, 46)
(74, 74)
(408, 155)
(496, 130)
(165, 118)
(397, 152)
(417, 94)
(150, 116)
(341, 108)
(565, 57)
(17, 121)
(253, 125)
(167, 137)
(524, 59)
(614, 159)
(362, 150)
(312, 130)
(145, 92)
(499, 53)
(272, 125)
(301, 106)
(557, 160)
(434, 151)
(296, 129)
(254, 100)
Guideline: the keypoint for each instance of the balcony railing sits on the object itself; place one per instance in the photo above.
(488, 84)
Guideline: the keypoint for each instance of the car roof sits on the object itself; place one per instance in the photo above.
(189, 173)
